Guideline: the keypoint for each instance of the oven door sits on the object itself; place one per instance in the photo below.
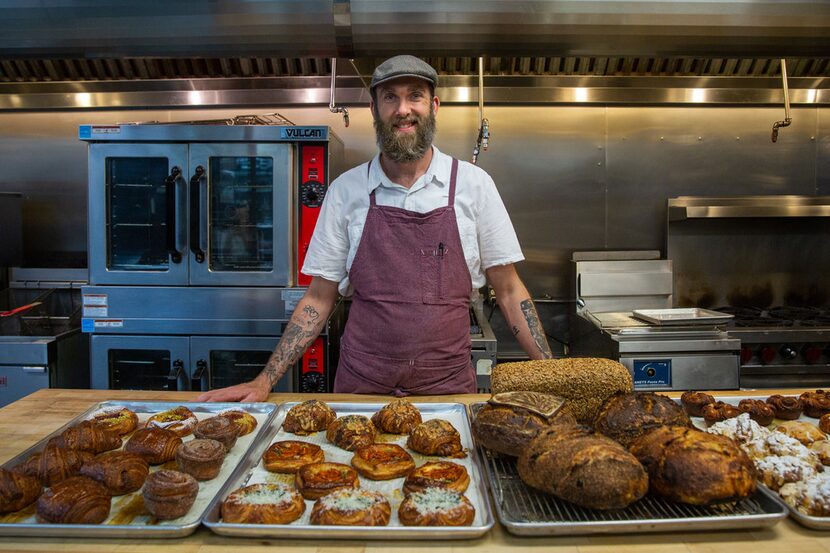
(241, 217)
(137, 214)
(220, 361)
(140, 362)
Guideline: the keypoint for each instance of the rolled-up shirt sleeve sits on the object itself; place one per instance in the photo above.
(329, 247)
(497, 240)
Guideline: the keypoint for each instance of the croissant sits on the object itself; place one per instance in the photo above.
(17, 490)
(76, 500)
(56, 464)
(29, 467)
(219, 428)
(436, 437)
(155, 445)
(169, 494)
(88, 436)
(120, 472)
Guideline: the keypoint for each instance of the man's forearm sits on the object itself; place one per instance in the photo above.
(525, 325)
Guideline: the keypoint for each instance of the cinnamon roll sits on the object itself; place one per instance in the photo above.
(120, 472)
(815, 403)
(115, 419)
(76, 500)
(436, 507)
(352, 507)
(219, 428)
(202, 459)
(694, 402)
(719, 411)
(351, 432)
(263, 504)
(169, 494)
(180, 420)
(87, 436)
(17, 490)
(398, 416)
(436, 437)
(758, 410)
(824, 423)
(245, 422)
(155, 445)
(56, 464)
(786, 407)
(308, 417)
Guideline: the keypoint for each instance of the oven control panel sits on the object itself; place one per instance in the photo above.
(652, 373)
(313, 187)
(313, 375)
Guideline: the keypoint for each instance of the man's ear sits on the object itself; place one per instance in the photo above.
(435, 103)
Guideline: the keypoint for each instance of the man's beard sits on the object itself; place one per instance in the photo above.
(406, 147)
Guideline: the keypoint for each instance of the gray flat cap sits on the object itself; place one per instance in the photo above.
(404, 66)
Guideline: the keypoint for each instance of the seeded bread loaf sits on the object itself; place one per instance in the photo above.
(585, 382)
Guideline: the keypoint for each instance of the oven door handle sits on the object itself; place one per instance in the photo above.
(176, 371)
(173, 196)
(201, 376)
(195, 213)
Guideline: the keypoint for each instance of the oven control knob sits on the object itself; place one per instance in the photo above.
(746, 355)
(767, 354)
(313, 382)
(788, 352)
(812, 354)
(312, 193)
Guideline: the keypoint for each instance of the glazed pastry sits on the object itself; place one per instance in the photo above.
(815, 403)
(219, 428)
(786, 407)
(352, 507)
(759, 411)
(115, 419)
(351, 432)
(289, 455)
(76, 500)
(436, 437)
(719, 411)
(29, 467)
(437, 474)
(508, 429)
(822, 449)
(245, 422)
(624, 417)
(824, 423)
(120, 472)
(308, 417)
(802, 431)
(169, 494)
(263, 504)
(156, 445)
(201, 459)
(436, 507)
(778, 470)
(810, 497)
(17, 490)
(315, 480)
(56, 464)
(87, 436)
(382, 461)
(179, 420)
(398, 416)
(693, 402)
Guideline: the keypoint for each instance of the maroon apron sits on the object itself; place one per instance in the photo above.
(409, 324)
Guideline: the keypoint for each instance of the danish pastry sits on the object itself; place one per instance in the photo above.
(437, 474)
(436, 437)
(815, 403)
(17, 490)
(759, 411)
(382, 461)
(115, 419)
(156, 445)
(245, 422)
(179, 420)
(436, 507)
(315, 480)
(398, 416)
(169, 494)
(822, 449)
(87, 436)
(289, 455)
(719, 411)
(219, 428)
(76, 500)
(120, 472)
(308, 417)
(351, 432)
(263, 504)
(803, 431)
(56, 464)
(694, 402)
(786, 407)
(352, 507)
(201, 458)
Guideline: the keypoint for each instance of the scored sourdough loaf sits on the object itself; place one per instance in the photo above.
(584, 382)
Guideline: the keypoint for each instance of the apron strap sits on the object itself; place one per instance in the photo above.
(453, 174)
(372, 195)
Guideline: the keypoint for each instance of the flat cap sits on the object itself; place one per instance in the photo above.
(404, 66)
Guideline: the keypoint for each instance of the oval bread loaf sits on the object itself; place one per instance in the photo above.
(584, 382)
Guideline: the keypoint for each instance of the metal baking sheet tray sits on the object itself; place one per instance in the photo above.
(817, 523)
(127, 516)
(527, 512)
(252, 472)
(682, 316)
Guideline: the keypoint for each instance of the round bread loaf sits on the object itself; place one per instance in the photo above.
(508, 430)
(625, 417)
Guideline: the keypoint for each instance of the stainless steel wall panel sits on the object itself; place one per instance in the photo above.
(823, 152)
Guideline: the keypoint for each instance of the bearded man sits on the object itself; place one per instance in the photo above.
(410, 235)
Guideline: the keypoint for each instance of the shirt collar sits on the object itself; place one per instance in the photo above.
(438, 172)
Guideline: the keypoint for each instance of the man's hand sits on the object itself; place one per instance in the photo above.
(247, 392)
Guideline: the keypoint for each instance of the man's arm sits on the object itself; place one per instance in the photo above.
(305, 325)
(517, 307)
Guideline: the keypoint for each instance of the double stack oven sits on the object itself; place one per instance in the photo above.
(196, 236)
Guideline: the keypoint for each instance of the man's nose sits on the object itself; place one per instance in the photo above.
(404, 108)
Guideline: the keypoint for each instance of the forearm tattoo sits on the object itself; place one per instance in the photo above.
(301, 330)
(535, 327)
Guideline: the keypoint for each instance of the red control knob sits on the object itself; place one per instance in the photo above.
(746, 355)
(812, 354)
(767, 354)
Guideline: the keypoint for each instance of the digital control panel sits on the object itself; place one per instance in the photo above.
(313, 375)
(313, 187)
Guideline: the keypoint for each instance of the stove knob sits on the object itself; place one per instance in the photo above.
(767, 354)
(746, 355)
(812, 354)
(788, 352)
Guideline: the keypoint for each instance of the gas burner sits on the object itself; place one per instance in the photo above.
(820, 321)
(741, 312)
(762, 322)
(794, 313)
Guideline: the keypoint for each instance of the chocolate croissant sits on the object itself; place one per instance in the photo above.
(56, 464)
(17, 490)
(221, 429)
(398, 416)
(155, 445)
(120, 472)
(88, 436)
(76, 500)
(436, 437)
(169, 494)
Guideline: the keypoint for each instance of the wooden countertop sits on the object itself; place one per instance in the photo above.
(28, 420)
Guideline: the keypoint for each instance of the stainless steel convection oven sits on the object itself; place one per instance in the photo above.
(196, 236)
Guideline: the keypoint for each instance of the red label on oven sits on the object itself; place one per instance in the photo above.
(313, 360)
(313, 187)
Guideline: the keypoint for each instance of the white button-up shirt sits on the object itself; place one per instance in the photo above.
(487, 235)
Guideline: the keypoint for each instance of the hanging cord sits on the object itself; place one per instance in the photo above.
(483, 139)
(332, 107)
(787, 119)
